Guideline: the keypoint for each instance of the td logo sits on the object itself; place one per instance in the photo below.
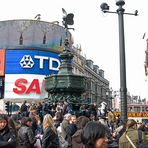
(27, 62)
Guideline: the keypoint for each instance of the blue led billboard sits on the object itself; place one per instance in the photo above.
(31, 62)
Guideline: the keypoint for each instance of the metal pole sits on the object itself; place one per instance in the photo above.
(123, 89)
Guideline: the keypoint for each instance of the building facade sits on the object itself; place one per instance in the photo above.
(97, 87)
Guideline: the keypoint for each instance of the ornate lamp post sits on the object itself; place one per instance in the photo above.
(123, 90)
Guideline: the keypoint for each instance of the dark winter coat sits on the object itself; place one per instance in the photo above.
(73, 128)
(26, 138)
(7, 138)
(50, 139)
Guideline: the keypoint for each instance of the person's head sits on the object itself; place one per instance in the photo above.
(131, 123)
(27, 121)
(11, 123)
(73, 119)
(48, 122)
(94, 135)
(3, 122)
(33, 109)
(61, 103)
(58, 109)
(39, 104)
(67, 116)
(53, 103)
(92, 117)
(95, 104)
(81, 122)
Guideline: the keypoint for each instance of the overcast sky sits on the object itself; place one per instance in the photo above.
(97, 33)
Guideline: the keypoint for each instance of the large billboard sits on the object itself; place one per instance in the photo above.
(25, 71)
(31, 62)
(32, 33)
(24, 86)
(2, 62)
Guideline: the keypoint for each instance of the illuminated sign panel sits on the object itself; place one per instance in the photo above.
(2, 62)
(134, 114)
(25, 86)
(31, 62)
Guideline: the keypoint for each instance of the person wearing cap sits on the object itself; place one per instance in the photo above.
(8, 137)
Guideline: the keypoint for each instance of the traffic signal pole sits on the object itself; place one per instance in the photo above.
(7, 107)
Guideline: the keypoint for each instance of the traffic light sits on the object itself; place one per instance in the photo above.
(7, 107)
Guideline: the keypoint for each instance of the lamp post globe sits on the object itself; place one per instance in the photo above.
(120, 2)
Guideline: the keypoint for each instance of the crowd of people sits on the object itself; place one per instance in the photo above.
(43, 125)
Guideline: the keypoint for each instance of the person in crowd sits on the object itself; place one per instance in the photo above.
(131, 134)
(26, 138)
(144, 127)
(8, 138)
(53, 109)
(65, 130)
(58, 117)
(17, 120)
(24, 109)
(65, 105)
(69, 109)
(111, 119)
(94, 135)
(35, 119)
(72, 125)
(76, 138)
(119, 132)
(61, 105)
(118, 120)
(50, 136)
(93, 117)
(103, 120)
(83, 110)
(93, 110)
(11, 125)
(39, 111)
(45, 109)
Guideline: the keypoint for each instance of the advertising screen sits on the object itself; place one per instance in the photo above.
(2, 61)
(31, 62)
(24, 86)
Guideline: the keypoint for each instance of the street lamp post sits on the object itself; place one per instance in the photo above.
(123, 90)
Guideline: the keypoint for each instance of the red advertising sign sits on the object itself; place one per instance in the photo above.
(2, 62)
(24, 86)
(21, 86)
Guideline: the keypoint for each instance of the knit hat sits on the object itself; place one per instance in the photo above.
(3, 117)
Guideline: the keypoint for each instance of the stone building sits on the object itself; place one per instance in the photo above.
(97, 87)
